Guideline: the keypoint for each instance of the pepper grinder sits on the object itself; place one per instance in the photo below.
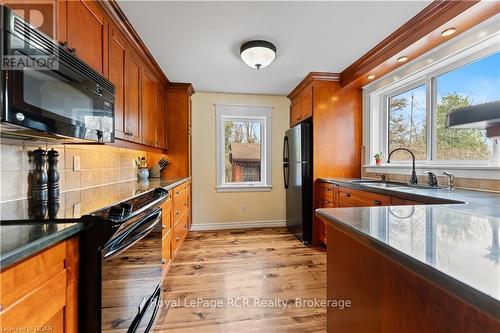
(53, 174)
(39, 177)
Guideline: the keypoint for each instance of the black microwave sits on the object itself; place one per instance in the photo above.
(47, 91)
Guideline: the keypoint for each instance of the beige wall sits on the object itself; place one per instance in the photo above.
(211, 207)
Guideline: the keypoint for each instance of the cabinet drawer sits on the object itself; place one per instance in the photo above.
(21, 279)
(180, 231)
(326, 203)
(362, 198)
(180, 207)
(38, 307)
(180, 189)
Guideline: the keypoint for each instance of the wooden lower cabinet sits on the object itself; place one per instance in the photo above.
(41, 293)
(333, 196)
(175, 222)
(387, 297)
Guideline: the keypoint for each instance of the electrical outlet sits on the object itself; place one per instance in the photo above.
(76, 163)
(76, 210)
(243, 209)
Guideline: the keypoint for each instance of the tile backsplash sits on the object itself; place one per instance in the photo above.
(99, 165)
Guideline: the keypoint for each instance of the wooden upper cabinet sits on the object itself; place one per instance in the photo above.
(133, 116)
(295, 111)
(161, 124)
(306, 102)
(86, 32)
(149, 108)
(301, 106)
(117, 59)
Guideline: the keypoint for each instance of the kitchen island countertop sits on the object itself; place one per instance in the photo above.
(455, 246)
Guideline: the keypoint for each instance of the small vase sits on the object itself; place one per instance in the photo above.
(378, 162)
(143, 173)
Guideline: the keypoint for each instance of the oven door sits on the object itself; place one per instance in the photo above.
(131, 276)
(50, 90)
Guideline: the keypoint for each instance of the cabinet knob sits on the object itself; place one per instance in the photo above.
(177, 213)
(163, 261)
(346, 194)
(164, 226)
(376, 202)
(177, 239)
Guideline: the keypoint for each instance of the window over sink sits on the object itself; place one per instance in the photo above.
(408, 107)
(243, 148)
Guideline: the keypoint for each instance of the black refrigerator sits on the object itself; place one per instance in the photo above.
(297, 173)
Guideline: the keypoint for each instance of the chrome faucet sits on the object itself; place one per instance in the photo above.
(413, 178)
(451, 179)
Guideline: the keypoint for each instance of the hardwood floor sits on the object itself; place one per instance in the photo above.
(255, 266)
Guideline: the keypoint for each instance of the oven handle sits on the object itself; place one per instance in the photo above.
(134, 234)
(152, 301)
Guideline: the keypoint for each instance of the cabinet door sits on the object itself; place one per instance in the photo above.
(161, 124)
(132, 95)
(295, 112)
(306, 103)
(117, 59)
(86, 31)
(149, 106)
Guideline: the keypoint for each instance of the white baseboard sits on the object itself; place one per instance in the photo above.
(238, 225)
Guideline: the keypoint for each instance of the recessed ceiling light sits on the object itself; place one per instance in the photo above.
(402, 59)
(371, 76)
(258, 53)
(448, 32)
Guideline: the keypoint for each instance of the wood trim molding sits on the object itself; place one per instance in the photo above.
(181, 86)
(238, 225)
(313, 76)
(430, 18)
(113, 9)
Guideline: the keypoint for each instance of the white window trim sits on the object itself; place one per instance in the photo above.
(263, 113)
(478, 42)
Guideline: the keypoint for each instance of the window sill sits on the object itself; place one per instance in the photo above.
(244, 188)
(462, 171)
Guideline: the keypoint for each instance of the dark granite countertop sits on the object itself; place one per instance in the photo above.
(24, 232)
(456, 246)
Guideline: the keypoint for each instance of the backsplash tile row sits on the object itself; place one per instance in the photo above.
(99, 165)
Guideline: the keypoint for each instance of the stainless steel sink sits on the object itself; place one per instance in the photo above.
(389, 184)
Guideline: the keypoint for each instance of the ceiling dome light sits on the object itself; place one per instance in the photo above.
(448, 32)
(258, 53)
(402, 59)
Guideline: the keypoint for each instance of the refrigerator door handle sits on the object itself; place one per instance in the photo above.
(286, 150)
(285, 174)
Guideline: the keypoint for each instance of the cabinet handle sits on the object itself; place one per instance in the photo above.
(376, 202)
(177, 193)
(163, 261)
(177, 213)
(177, 239)
(346, 194)
(164, 226)
(327, 189)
